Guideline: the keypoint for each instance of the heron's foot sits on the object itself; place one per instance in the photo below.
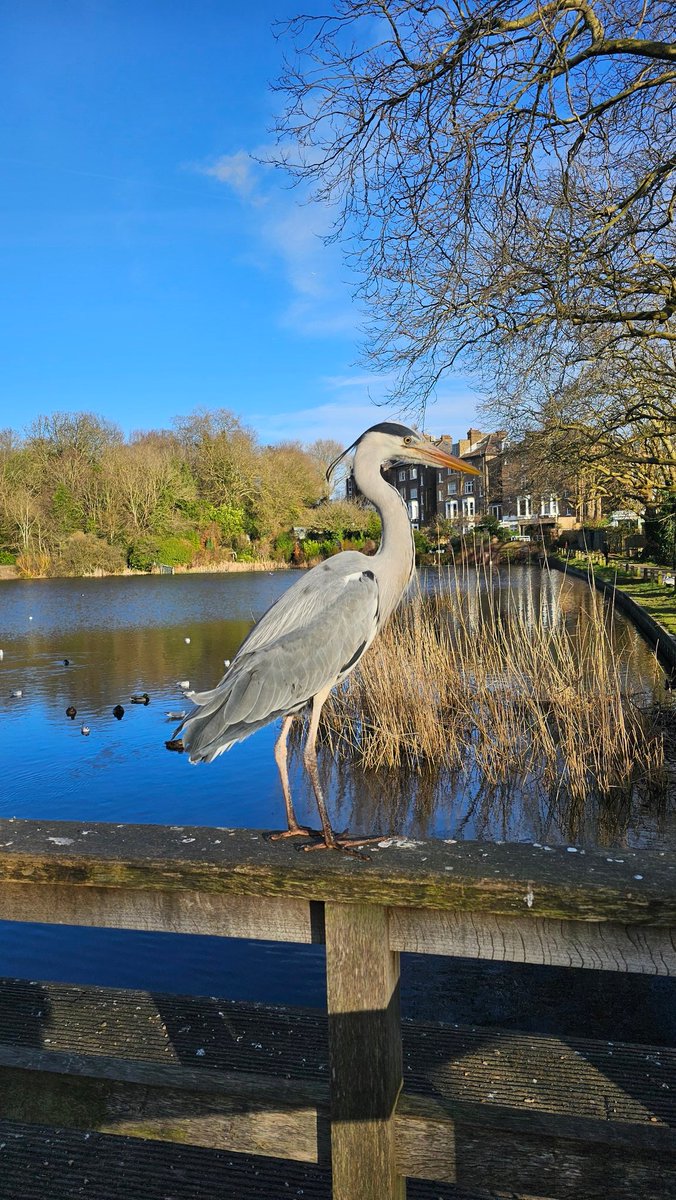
(350, 846)
(294, 831)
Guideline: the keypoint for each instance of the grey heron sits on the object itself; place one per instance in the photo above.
(310, 639)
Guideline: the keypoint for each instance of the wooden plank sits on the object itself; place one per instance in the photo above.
(604, 946)
(203, 1032)
(41, 1163)
(219, 915)
(365, 1053)
(241, 1114)
(627, 887)
(492, 1148)
(53, 1164)
(529, 1074)
(479, 1103)
(613, 1081)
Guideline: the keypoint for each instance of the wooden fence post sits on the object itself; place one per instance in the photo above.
(365, 1052)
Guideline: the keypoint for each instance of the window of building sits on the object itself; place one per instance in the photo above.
(413, 473)
(441, 493)
(452, 487)
(441, 476)
(469, 487)
(413, 510)
(402, 475)
(523, 506)
(451, 509)
(468, 506)
(495, 510)
(414, 493)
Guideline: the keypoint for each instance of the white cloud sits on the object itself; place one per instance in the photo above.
(291, 231)
(240, 172)
(344, 418)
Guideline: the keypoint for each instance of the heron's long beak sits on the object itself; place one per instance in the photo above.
(436, 457)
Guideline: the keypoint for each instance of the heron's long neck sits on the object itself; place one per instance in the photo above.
(395, 559)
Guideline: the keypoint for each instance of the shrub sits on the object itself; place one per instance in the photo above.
(7, 559)
(142, 554)
(283, 547)
(177, 551)
(373, 526)
(311, 549)
(85, 554)
(31, 563)
(421, 544)
(174, 551)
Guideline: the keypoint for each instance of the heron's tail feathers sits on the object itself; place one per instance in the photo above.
(227, 714)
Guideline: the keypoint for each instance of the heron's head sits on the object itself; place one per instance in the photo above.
(390, 444)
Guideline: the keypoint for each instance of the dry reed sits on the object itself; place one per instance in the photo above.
(473, 678)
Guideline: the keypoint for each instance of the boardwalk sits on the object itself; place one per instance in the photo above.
(353, 1102)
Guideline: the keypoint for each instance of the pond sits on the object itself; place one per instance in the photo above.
(127, 635)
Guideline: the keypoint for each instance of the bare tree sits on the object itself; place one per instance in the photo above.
(502, 170)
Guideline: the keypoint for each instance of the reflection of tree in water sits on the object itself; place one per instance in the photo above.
(458, 803)
(108, 665)
(521, 714)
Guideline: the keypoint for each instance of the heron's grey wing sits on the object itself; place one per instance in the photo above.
(307, 599)
(283, 673)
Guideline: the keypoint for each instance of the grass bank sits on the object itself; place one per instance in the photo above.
(657, 599)
(212, 568)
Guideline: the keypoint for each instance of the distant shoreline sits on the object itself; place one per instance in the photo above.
(11, 573)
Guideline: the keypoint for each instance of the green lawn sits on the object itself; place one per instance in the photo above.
(658, 600)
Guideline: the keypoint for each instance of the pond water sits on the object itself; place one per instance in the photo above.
(127, 635)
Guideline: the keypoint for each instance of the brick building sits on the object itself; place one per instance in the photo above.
(500, 491)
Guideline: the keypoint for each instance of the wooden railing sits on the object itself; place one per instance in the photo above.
(613, 911)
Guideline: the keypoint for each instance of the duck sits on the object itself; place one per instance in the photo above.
(140, 698)
(183, 683)
(66, 662)
(187, 641)
(71, 712)
(175, 744)
(118, 712)
(175, 716)
(85, 730)
(17, 692)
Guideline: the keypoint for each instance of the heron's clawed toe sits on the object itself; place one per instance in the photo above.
(345, 847)
(293, 831)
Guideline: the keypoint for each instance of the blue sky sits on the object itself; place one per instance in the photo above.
(149, 265)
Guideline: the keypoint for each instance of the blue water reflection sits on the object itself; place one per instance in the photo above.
(123, 636)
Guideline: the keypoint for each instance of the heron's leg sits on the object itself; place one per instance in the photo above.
(281, 755)
(310, 760)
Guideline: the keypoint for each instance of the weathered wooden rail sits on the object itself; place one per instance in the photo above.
(377, 1100)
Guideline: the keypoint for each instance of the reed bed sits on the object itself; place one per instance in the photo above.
(471, 679)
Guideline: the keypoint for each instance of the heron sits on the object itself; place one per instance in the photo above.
(317, 632)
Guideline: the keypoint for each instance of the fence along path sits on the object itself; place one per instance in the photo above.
(355, 1089)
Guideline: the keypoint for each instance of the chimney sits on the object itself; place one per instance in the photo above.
(474, 435)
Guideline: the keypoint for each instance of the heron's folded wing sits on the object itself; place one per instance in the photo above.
(314, 594)
(283, 673)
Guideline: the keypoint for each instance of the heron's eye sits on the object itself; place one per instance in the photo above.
(408, 441)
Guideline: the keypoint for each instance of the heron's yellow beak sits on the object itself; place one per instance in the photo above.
(436, 457)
